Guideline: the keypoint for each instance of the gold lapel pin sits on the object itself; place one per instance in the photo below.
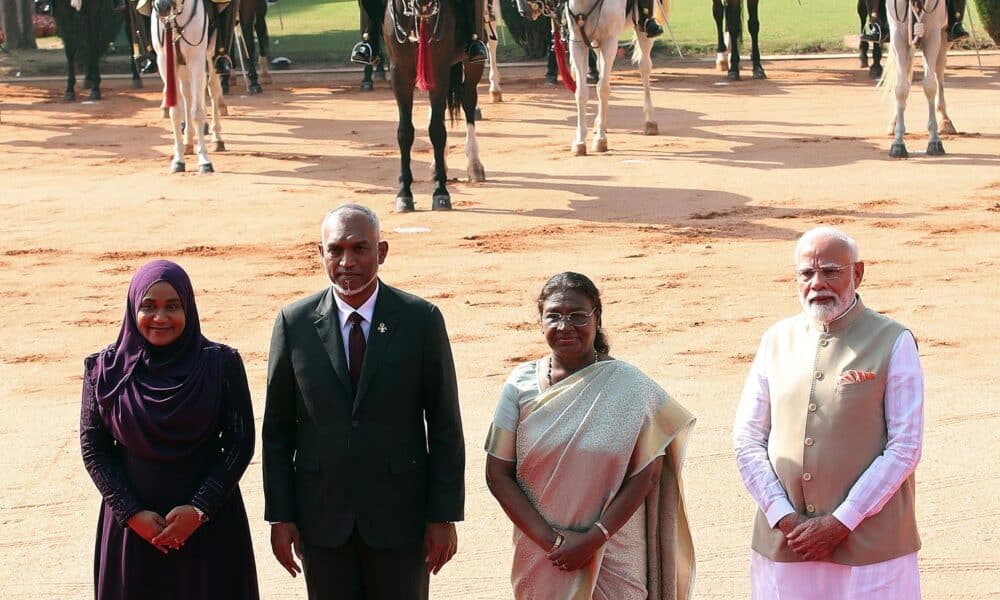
(382, 328)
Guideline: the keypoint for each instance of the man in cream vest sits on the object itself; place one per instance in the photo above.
(828, 434)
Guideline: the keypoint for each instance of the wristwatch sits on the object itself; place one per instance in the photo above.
(202, 517)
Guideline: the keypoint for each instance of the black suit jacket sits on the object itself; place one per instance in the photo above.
(333, 458)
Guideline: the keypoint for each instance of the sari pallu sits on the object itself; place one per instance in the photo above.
(575, 444)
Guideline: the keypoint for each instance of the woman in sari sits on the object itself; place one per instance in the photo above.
(166, 431)
(585, 457)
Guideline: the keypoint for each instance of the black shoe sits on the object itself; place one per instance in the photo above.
(222, 65)
(956, 32)
(363, 53)
(652, 28)
(476, 52)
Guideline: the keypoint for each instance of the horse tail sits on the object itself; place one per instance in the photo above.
(456, 90)
(890, 74)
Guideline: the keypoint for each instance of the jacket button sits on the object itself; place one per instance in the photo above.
(809, 441)
(810, 508)
(807, 477)
(812, 407)
(818, 375)
(824, 343)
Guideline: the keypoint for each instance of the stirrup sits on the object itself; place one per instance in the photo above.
(362, 53)
(652, 28)
(476, 52)
(956, 32)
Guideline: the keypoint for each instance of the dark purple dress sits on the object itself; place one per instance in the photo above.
(204, 469)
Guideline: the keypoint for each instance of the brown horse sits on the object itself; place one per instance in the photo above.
(426, 50)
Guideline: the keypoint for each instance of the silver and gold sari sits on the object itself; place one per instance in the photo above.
(574, 445)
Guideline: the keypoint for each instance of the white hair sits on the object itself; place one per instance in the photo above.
(357, 209)
(827, 232)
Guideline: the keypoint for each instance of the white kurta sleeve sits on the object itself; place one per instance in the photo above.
(750, 433)
(904, 417)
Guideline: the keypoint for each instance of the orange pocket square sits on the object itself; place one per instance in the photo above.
(854, 376)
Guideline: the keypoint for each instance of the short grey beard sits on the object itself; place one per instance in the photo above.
(343, 292)
(827, 314)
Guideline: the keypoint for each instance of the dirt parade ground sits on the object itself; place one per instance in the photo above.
(689, 235)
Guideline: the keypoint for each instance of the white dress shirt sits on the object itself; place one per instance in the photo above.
(344, 311)
(904, 404)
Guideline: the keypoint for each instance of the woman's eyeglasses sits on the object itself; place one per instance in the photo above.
(573, 319)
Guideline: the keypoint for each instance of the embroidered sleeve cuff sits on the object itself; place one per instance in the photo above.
(847, 515)
(779, 509)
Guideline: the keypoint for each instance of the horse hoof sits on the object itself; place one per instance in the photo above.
(367, 86)
(947, 127)
(166, 112)
(69, 96)
(496, 96)
(220, 146)
(599, 145)
(477, 173)
(733, 75)
(256, 89)
(441, 202)
(935, 148)
(875, 72)
(721, 63)
(137, 84)
(206, 168)
(759, 73)
(651, 128)
(864, 62)
(95, 93)
(176, 167)
(898, 150)
(223, 110)
(188, 149)
(404, 204)
(579, 149)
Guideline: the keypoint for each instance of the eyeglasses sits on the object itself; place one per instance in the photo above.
(829, 273)
(573, 319)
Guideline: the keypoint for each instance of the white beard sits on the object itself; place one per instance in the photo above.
(826, 313)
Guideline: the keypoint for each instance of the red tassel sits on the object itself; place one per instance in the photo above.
(425, 68)
(171, 92)
(560, 49)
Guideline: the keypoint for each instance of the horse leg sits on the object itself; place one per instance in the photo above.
(931, 45)
(132, 66)
(441, 199)
(402, 89)
(92, 18)
(470, 98)
(496, 94)
(218, 109)
(605, 60)
(721, 60)
(862, 42)
(901, 46)
(248, 46)
(70, 50)
(263, 40)
(753, 25)
(194, 97)
(578, 54)
(734, 25)
(644, 45)
(875, 71)
(945, 125)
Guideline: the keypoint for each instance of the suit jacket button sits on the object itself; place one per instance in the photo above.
(355, 423)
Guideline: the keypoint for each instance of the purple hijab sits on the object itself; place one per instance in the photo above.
(159, 402)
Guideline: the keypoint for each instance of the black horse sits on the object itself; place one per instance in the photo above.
(427, 51)
(86, 35)
(874, 31)
(732, 10)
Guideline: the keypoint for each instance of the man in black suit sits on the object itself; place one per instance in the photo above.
(363, 452)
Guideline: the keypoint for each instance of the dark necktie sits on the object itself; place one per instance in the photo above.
(355, 348)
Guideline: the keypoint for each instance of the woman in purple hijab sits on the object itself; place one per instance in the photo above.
(166, 431)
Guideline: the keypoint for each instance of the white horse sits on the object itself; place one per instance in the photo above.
(185, 22)
(921, 23)
(597, 24)
(492, 13)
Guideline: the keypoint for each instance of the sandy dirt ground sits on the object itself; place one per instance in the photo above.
(689, 234)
